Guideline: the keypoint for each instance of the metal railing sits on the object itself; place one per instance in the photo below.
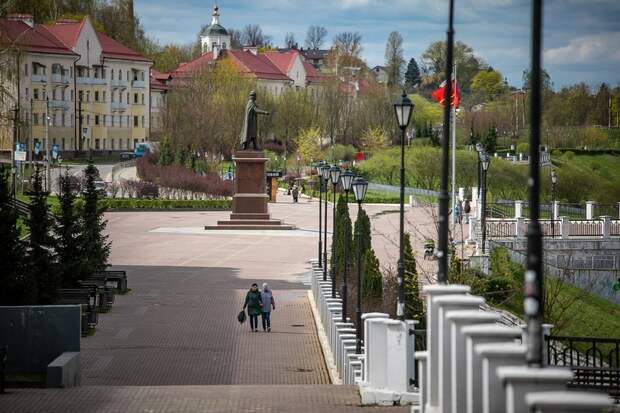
(595, 361)
(589, 228)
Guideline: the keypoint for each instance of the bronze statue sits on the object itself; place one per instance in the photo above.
(250, 125)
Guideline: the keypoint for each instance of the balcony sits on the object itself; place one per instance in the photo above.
(118, 83)
(38, 78)
(83, 80)
(138, 84)
(98, 81)
(60, 104)
(119, 106)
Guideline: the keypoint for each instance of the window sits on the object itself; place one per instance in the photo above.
(63, 119)
(112, 120)
(27, 93)
(128, 98)
(97, 144)
(81, 95)
(104, 119)
(35, 94)
(35, 118)
(135, 98)
(135, 121)
(96, 120)
(87, 119)
(62, 144)
(224, 45)
(26, 69)
(103, 72)
(88, 96)
(112, 74)
(71, 95)
(142, 76)
(71, 72)
(142, 121)
(143, 98)
(62, 94)
(96, 96)
(128, 78)
(104, 95)
(44, 94)
(127, 143)
(96, 73)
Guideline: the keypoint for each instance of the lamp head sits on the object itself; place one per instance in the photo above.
(360, 186)
(347, 180)
(403, 108)
(334, 173)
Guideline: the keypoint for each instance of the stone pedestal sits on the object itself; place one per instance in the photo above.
(249, 207)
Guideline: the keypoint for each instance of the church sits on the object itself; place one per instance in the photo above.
(274, 71)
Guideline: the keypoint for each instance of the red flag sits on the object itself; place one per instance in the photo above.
(440, 94)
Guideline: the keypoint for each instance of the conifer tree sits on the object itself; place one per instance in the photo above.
(412, 75)
(95, 245)
(343, 220)
(40, 255)
(372, 283)
(16, 289)
(68, 236)
(414, 308)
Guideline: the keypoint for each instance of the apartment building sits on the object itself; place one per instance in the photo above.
(80, 88)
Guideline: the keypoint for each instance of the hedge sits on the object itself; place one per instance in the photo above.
(128, 203)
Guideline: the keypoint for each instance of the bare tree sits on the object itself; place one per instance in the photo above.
(394, 60)
(315, 37)
(235, 38)
(253, 35)
(289, 40)
(348, 43)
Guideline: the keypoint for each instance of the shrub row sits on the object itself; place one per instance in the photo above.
(127, 203)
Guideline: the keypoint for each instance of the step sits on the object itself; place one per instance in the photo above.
(248, 215)
(251, 227)
(250, 222)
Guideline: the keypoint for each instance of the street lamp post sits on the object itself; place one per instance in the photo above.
(347, 180)
(403, 108)
(479, 149)
(325, 176)
(554, 180)
(359, 190)
(318, 168)
(334, 173)
(485, 161)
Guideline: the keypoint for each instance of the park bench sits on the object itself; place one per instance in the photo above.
(115, 279)
(85, 297)
(105, 294)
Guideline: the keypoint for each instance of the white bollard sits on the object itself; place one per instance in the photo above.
(590, 209)
(519, 381)
(422, 358)
(567, 402)
(475, 335)
(432, 337)
(455, 383)
(493, 356)
(397, 378)
(368, 340)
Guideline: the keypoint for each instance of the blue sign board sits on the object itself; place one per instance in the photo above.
(37, 148)
(55, 150)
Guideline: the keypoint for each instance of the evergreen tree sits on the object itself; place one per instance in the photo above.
(95, 245)
(338, 239)
(414, 307)
(362, 231)
(372, 282)
(16, 290)
(180, 155)
(412, 75)
(165, 155)
(490, 141)
(68, 236)
(41, 257)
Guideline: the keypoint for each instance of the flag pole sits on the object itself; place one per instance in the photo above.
(454, 153)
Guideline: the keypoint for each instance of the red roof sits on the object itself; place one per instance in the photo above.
(112, 49)
(283, 60)
(257, 65)
(36, 39)
(68, 31)
(158, 80)
(312, 76)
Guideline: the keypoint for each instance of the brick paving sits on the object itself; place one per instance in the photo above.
(182, 399)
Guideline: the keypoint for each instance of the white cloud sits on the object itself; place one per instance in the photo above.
(592, 49)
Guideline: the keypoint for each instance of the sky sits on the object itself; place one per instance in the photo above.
(581, 37)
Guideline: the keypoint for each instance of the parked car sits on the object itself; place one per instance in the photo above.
(126, 156)
(101, 188)
(141, 150)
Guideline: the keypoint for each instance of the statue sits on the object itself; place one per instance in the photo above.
(250, 124)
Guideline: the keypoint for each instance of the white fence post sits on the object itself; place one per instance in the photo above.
(565, 227)
(590, 209)
(606, 222)
(555, 210)
(518, 209)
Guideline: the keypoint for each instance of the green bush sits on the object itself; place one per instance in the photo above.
(498, 289)
(127, 203)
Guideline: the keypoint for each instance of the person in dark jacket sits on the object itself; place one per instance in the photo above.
(269, 303)
(254, 304)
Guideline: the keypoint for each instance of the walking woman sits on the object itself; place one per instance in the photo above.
(268, 304)
(254, 304)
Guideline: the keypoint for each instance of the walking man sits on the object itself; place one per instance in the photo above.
(268, 304)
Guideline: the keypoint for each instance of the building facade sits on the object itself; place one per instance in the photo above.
(78, 88)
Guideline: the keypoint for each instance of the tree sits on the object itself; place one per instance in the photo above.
(17, 287)
(490, 140)
(235, 38)
(252, 35)
(362, 234)
(315, 37)
(412, 75)
(308, 145)
(343, 229)
(95, 245)
(348, 44)
(170, 56)
(68, 236)
(434, 58)
(374, 139)
(488, 84)
(545, 81)
(40, 254)
(414, 308)
(372, 283)
(394, 60)
(165, 154)
(289, 41)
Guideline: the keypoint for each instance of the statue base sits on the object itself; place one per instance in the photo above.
(249, 207)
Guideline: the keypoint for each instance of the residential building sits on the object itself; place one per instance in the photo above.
(380, 74)
(159, 91)
(72, 76)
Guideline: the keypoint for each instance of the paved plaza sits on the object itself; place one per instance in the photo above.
(173, 344)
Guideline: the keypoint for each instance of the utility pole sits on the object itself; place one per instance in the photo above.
(13, 147)
(48, 185)
(79, 142)
(454, 150)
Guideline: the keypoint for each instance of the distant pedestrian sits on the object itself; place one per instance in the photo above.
(457, 212)
(269, 303)
(254, 303)
(466, 209)
(295, 193)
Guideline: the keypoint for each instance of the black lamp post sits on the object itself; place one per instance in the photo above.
(479, 150)
(334, 173)
(554, 180)
(325, 176)
(403, 108)
(347, 180)
(318, 168)
(485, 162)
(360, 185)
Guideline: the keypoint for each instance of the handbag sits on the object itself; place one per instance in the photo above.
(241, 317)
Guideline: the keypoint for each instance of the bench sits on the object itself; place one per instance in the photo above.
(105, 294)
(115, 279)
(81, 296)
